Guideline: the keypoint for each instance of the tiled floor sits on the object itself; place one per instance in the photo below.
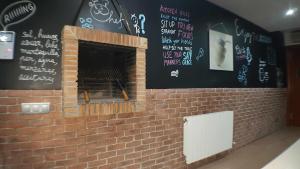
(259, 153)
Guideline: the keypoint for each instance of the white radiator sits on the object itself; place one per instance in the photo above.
(207, 134)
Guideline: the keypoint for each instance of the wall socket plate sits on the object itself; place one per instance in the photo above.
(35, 108)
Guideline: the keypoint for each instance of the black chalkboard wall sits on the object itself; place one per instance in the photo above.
(178, 54)
(37, 58)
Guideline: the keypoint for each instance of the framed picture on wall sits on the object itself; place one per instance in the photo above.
(220, 51)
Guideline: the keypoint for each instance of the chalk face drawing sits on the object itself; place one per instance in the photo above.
(39, 56)
(242, 75)
(176, 36)
(100, 11)
(16, 12)
(221, 51)
(86, 23)
(138, 23)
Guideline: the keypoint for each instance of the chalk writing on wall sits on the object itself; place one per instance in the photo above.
(16, 12)
(176, 36)
(100, 11)
(280, 77)
(39, 56)
(263, 75)
(249, 37)
(138, 22)
(200, 54)
(243, 53)
(175, 73)
(242, 75)
(241, 32)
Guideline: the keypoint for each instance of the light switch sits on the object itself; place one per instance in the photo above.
(35, 108)
(26, 108)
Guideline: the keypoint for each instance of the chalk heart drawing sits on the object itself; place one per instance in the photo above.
(16, 12)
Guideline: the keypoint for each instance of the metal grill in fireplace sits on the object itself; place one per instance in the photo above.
(105, 73)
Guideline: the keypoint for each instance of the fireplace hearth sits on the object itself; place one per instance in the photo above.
(104, 73)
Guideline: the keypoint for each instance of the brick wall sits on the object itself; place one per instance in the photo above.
(148, 140)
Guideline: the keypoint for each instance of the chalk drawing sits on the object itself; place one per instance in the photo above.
(243, 53)
(139, 23)
(242, 75)
(241, 32)
(175, 73)
(100, 11)
(238, 31)
(135, 21)
(263, 75)
(240, 52)
(142, 19)
(86, 23)
(16, 12)
(200, 54)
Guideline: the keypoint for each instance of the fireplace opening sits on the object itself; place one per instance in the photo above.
(103, 73)
(106, 73)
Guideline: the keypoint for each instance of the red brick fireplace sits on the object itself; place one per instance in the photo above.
(72, 38)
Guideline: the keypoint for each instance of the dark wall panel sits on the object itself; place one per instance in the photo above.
(37, 57)
(178, 54)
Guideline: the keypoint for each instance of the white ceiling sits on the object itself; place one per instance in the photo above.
(268, 14)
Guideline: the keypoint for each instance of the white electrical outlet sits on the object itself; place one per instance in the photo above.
(35, 108)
